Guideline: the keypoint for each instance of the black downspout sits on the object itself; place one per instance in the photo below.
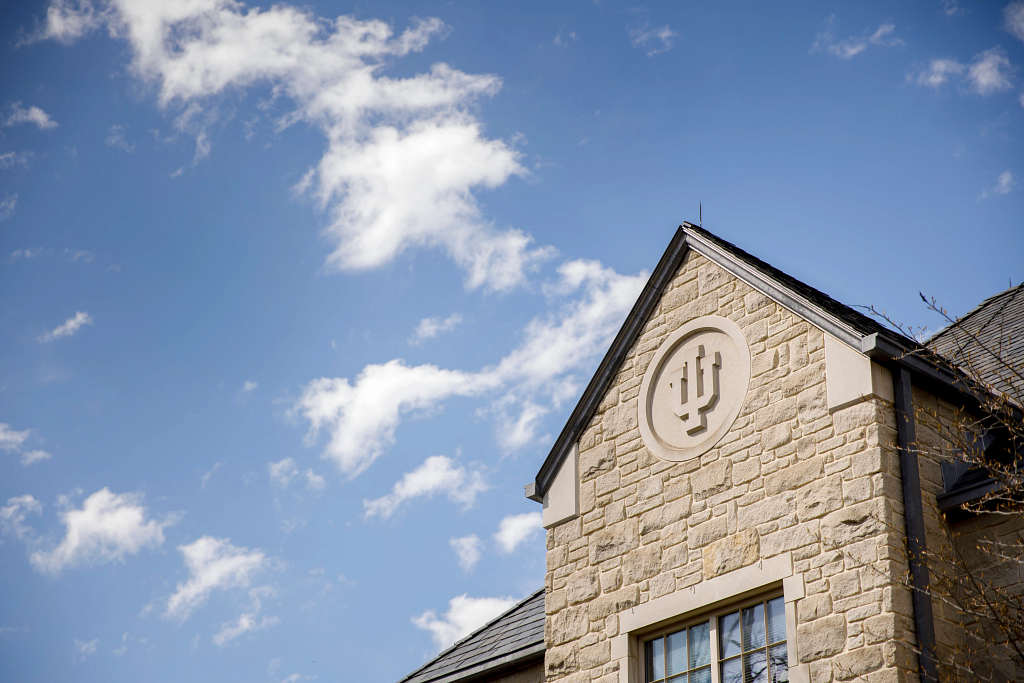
(913, 513)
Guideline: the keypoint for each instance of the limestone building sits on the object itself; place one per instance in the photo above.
(739, 496)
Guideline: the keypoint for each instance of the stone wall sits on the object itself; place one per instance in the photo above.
(788, 477)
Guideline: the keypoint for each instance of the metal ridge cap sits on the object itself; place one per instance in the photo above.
(847, 334)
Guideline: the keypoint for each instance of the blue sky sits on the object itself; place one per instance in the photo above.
(293, 298)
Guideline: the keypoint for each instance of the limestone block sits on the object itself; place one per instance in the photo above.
(789, 538)
(596, 460)
(844, 585)
(674, 556)
(858, 663)
(569, 624)
(613, 603)
(764, 362)
(620, 419)
(650, 487)
(710, 277)
(610, 399)
(612, 580)
(595, 655)
(732, 552)
(745, 471)
(560, 661)
(755, 301)
(822, 497)
(641, 564)
(583, 585)
(814, 607)
(663, 515)
(794, 476)
(711, 479)
(607, 482)
(812, 404)
(852, 524)
(711, 530)
(776, 436)
(822, 637)
(614, 541)
(766, 510)
(679, 296)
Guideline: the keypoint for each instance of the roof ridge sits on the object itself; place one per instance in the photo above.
(464, 639)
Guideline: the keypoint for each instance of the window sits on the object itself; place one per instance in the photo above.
(746, 645)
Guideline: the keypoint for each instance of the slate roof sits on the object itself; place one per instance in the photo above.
(987, 337)
(510, 641)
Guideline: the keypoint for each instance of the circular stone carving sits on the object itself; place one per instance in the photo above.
(694, 388)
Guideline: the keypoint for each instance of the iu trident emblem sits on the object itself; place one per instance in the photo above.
(697, 391)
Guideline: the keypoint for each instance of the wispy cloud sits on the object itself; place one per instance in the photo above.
(1013, 19)
(853, 45)
(249, 386)
(437, 474)
(12, 159)
(433, 327)
(7, 206)
(467, 550)
(464, 615)
(363, 416)
(1004, 185)
(68, 327)
(563, 39)
(33, 115)
(12, 516)
(652, 40)
(988, 73)
(84, 649)
(117, 138)
(247, 621)
(32, 457)
(213, 564)
(13, 441)
(208, 474)
(515, 529)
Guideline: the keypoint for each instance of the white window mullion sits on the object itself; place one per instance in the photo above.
(715, 676)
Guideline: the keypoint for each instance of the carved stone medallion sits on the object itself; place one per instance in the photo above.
(694, 388)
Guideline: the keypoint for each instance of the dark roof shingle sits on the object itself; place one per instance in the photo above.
(514, 637)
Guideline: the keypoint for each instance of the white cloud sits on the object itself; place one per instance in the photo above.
(12, 516)
(1005, 184)
(362, 418)
(68, 327)
(464, 615)
(989, 72)
(10, 439)
(249, 386)
(33, 115)
(86, 649)
(83, 255)
(516, 529)
(247, 621)
(213, 563)
(296, 678)
(7, 206)
(282, 472)
(12, 159)
(28, 253)
(32, 457)
(404, 157)
(107, 528)
(564, 39)
(467, 549)
(653, 40)
(206, 476)
(951, 8)
(853, 45)
(116, 138)
(432, 327)
(1013, 19)
(437, 474)
(314, 481)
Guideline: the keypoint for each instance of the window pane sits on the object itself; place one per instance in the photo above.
(700, 645)
(729, 634)
(776, 620)
(732, 671)
(655, 665)
(780, 663)
(753, 627)
(701, 675)
(755, 667)
(676, 646)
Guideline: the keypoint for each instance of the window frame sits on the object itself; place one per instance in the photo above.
(712, 615)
